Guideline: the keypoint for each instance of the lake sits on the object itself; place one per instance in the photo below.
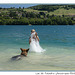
(16, 5)
(58, 41)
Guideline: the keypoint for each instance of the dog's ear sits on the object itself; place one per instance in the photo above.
(21, 49)
(28, 49)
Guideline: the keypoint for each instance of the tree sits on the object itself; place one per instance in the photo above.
(47, 16)
(13, 14)
(1, 22)
(23, 7)
(19, 7)
(23, 15)
(32, 21)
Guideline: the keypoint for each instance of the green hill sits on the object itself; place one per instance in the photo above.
(56, 9)
(48, 9)
(63, 11)
(38, 15)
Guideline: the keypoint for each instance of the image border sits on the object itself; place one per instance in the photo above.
(45, 2)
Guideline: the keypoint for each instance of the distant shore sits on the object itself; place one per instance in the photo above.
(38, 15)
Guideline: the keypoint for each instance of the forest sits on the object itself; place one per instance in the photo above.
(37, 15)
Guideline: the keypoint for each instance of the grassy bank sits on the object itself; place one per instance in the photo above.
(63, 11)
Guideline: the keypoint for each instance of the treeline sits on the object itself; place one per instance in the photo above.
(52, 20)
(45, 7)
(69, 7)
(51, 8)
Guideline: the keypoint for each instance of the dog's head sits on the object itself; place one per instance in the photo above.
(24, 51)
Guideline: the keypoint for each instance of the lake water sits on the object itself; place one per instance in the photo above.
(58, 41)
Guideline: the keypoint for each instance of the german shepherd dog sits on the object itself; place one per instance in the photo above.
(24, 53)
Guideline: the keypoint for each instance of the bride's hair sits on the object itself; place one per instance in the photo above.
(33, 30)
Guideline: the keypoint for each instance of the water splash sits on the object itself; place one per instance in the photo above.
(34, 45)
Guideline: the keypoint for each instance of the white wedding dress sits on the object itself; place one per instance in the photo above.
(34, 45)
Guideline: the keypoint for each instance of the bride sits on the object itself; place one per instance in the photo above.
(34, 42)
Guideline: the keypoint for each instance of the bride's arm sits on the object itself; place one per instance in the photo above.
(37, 38)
